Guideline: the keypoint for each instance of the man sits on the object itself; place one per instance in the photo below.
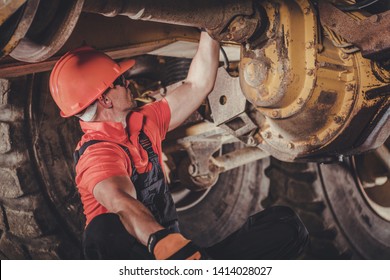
(129, 210)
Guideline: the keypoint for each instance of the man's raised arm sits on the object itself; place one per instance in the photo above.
(185, 99)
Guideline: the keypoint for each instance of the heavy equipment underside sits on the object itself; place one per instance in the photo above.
(301, 83)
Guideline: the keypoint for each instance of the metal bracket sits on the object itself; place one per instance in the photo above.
(228, 104)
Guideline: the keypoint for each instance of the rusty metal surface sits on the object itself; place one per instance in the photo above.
(181, 12)
(371, 35)
(230, 20)
(200, 168)
(312, 100)
(8, 7)
(278, 78)
(12, 68)
(13, 30)
(242, 127)
(226, 100)
(377, 131)
(195, 169)
(41, 43)
(237, 158)
(241, 28)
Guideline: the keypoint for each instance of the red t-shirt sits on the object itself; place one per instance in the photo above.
(106, 159)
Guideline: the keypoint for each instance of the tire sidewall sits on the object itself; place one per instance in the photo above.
(367, 233)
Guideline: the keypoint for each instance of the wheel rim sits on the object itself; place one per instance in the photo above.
(185, 199)
(373, 177)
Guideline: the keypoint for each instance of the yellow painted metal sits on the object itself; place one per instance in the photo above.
(8, 8)
(307, 91)
(285, 64)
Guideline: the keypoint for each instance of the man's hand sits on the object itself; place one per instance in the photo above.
(167, 245)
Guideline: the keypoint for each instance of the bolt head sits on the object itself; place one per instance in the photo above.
(338, 119)
(229, 36)
(267, 134)
(374, 18)
(313, 140)
(349, 87)
(275, 113)
(251, 141)
(192, 169)
(309, 45)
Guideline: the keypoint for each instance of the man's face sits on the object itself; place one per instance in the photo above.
(121, 94)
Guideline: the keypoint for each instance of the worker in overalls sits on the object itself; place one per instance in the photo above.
(129, 210)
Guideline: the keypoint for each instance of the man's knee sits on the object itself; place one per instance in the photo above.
(287, 223)
(103, 228)
(106, 237)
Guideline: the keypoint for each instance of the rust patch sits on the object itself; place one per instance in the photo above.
(327, 97)
(371, 35)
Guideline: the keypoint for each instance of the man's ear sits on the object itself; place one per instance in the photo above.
(105, 101)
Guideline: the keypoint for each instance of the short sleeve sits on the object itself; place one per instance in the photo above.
(159, 113)
(99, 162)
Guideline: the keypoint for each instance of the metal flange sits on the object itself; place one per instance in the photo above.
(50, 29)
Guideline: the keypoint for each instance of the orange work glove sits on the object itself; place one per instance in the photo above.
(167, 245)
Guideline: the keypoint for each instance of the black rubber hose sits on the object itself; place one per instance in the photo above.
(225, 59)
(357, 6)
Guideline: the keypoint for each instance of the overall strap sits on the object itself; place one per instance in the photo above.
(146, 145)
(143, 140)
(78, 153)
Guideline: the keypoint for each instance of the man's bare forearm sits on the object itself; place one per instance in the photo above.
(138, 220)
(185, 99)
(203, 69)
(117, 194)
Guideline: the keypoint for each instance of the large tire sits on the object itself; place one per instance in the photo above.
(329, 201)
(226, 207)
(40, 208)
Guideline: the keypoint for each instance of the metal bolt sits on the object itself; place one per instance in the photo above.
(344, 55)
(320, 48)
(306, 10)
(247, 46)
(251, 141)
(192, 169)
(313, 140)
(290, 146)
(374, 18)
(309, 45)
(338, 119)
(310, 72)
(379, 181)
(275, 113)
(255, 72)
(349, 87)
(267, 134)
(300, 101)
(241, 20)
(341, 158)
(229, 36)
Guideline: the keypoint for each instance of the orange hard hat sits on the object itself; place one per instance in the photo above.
(81, 76)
